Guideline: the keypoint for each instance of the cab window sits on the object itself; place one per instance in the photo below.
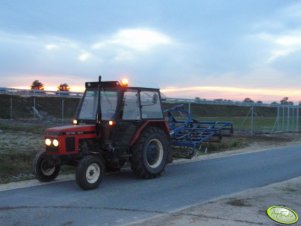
(150, 105)
(131, 106)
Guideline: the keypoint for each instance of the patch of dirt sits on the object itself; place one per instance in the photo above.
(238, 202)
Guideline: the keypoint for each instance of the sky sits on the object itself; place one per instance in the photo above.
(208, 49)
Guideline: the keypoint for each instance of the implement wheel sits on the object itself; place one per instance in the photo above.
(89, 172)
(150, 153)
(44, 167)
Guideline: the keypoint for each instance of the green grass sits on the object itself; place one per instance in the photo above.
(23, 127)
(243, 123)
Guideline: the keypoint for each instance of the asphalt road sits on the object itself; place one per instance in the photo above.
(122, 198)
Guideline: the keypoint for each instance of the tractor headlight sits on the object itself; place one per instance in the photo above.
(55, 142)
(47, 142)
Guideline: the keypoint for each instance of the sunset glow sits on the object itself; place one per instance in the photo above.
(232, 93)
(213, 92)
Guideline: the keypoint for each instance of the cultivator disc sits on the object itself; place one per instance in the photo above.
(187, 134)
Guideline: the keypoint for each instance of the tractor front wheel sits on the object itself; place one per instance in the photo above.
(89, 172)
(150, 153)
(44, 167)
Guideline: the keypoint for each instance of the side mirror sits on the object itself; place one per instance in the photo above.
(149, 98)
(155, 98)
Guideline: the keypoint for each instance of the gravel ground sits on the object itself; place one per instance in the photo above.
(20, 141)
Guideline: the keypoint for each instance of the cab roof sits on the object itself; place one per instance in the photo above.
(115, 84)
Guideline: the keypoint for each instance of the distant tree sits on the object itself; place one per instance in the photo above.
(284, 101)
(197, 99)
(299, 103)
(63, 87)
(274, 103)
(259, 102)
(219, 100)
(248, 100)
(37, 85)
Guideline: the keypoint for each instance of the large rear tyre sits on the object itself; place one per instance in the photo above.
(44, 167)
(150, 153)
(89, 172)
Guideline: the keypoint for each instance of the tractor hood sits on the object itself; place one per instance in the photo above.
(71, 130)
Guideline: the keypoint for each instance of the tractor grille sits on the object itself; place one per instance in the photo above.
(51, 149)
(70, 144)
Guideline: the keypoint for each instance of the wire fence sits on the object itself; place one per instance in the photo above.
(250, 118)
(246, 117)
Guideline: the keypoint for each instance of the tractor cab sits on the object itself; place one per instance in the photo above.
(114, 123)
(114, 101)
(118, 111)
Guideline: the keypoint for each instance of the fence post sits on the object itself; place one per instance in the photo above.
(297, 118)
(276, 123)
(288, 119)
(252, 120)
(34, 106)
(63, 101)
(283, 115)
(11, 107)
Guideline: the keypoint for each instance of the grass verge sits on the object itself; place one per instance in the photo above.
(16, 166)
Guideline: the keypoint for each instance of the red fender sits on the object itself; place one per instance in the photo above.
(156, 123)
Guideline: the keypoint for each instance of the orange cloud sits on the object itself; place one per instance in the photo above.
(233, 93)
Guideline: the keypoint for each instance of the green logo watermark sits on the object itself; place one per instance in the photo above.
(282, 214)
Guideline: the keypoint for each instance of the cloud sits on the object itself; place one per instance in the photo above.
(232, 93)
(281, 33)
(137, 39)
(84, 56)
(51, 46)
(293, 10)
(282, 45)
(126, 51)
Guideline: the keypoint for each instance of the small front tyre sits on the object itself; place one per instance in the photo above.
(45, 168)
(89, 172)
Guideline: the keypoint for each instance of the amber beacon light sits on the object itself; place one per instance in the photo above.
(124, 82)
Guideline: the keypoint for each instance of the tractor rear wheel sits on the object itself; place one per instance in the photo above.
(44, 167)
(150, 153)
(89, 172)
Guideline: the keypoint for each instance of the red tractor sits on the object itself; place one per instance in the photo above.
(114, 124)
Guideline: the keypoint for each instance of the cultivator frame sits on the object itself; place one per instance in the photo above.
(191, 133)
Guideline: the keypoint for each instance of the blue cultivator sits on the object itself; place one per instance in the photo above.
(190, 133)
